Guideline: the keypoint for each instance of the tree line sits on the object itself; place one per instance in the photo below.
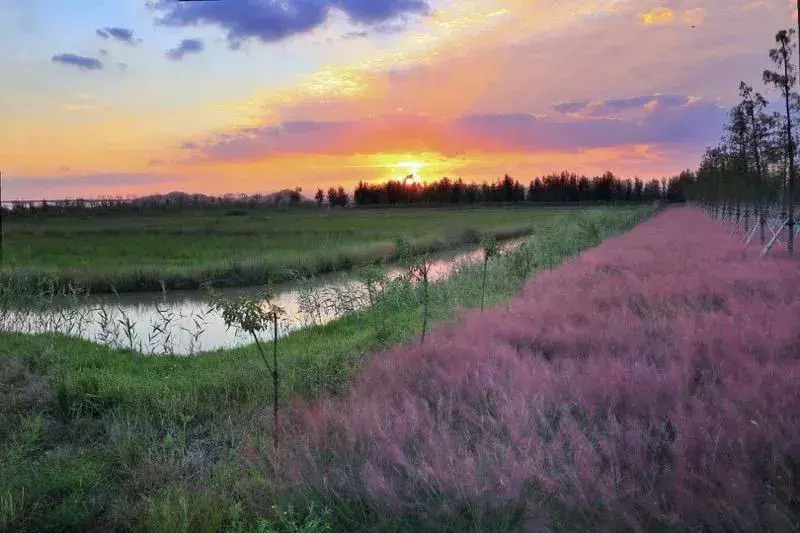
(162, 202)
(754, 164)
(564, 187)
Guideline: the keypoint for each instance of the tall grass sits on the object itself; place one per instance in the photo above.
(375, 282)
(649, 385)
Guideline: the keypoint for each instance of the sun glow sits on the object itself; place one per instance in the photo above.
(411, 170)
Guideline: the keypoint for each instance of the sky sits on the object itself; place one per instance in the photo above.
(132, 97)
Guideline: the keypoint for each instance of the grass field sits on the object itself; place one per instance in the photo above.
(98, 439)
(237, 247)
(649, 385)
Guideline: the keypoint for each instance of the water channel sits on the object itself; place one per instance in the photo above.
(181, 322)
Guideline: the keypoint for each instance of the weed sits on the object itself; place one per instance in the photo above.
(375, 283)
(418, 265)
(490, 248)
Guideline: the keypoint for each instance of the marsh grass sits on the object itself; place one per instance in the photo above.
(162, 328)
(139, 253)
(109, 438)
(523, 262)
(417, 266)
(375, 282)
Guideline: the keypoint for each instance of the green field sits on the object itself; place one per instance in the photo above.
(237, 247)
(96, 439)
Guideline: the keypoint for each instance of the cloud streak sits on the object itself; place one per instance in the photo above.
(81, 62)
(621, 106)
(123, 35)
(668, 119)
(186, 46)
(90, 185)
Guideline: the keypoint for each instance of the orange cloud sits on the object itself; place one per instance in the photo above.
(311, 171)
(658, 16)
(663, 118)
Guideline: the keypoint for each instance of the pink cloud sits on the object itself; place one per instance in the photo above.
(666, 119)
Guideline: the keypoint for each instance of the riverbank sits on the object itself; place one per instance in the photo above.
(242, 247)
(96, 438)
(182, 323)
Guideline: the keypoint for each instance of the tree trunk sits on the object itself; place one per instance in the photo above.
(276, 429)
(790, 154)
(483, 285)
(424, 303)
(759, 187)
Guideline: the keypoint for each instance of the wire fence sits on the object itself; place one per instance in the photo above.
(768, 225)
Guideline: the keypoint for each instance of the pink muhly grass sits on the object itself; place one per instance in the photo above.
(651, 380)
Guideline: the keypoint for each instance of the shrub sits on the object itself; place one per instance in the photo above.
(253, 316)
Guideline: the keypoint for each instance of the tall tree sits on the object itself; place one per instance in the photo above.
(754, 106)
(342, 196)
(781, 56)
(320, 197)
(332, 197)
(737, 139)
(711, 177)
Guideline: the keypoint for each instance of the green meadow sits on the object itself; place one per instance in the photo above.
(237, 246)
(98, 439)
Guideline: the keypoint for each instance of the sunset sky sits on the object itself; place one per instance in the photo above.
(119, 97)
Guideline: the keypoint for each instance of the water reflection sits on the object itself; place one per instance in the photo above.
(181, 322)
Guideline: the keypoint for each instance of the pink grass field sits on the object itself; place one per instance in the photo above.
(651, 382)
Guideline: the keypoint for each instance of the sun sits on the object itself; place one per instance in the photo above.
(420, 166)
(411, 171)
